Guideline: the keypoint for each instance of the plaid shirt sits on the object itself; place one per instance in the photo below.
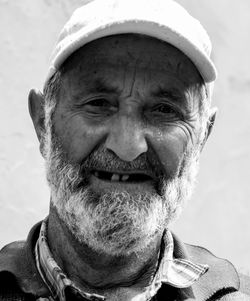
(179, 273)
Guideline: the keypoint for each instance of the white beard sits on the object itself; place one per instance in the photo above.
(115, 223)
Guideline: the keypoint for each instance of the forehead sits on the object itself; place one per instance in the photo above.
(128, 50)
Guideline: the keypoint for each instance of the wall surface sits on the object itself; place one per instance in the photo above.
(217, 217)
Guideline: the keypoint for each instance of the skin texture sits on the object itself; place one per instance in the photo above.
(133, 115)
(132, 95)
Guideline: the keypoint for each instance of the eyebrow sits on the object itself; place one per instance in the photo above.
(171, 93)
(99, 85)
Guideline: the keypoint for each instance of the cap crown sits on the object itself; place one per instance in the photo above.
(162, 19)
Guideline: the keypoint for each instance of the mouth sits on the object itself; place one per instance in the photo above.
(122, 177)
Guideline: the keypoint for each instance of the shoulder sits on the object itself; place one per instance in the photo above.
(222, 276)
(236, 296)
(11, 260)
(10, 290)
(18, 272)
(222, 279)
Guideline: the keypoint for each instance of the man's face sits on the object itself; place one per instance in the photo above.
(127, 127)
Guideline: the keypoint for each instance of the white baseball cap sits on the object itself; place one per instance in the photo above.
(165, 20)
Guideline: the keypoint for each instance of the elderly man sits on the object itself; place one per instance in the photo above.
(123, 118)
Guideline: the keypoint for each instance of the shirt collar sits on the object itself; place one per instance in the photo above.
(176, 272)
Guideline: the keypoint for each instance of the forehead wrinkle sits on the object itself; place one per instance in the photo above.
(192, 75)
(98, 85)
(139, 79)
(156, 57)
(133, 79)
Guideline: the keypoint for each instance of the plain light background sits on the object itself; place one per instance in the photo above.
(217, 217)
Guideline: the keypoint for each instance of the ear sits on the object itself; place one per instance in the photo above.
(36, 110)
(210, 125)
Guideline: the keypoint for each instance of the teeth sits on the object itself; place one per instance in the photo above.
(125, 177)
(115, 177)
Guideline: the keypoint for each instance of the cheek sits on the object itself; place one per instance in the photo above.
(170, 148)
(78, 139)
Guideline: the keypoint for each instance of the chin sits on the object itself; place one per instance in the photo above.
(115, 223)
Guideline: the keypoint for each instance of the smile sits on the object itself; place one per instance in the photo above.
(122, 177)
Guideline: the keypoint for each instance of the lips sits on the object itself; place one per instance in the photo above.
(130, 177)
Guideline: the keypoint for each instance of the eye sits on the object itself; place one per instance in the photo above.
(100, 102)
(165, 109)
(100, 106)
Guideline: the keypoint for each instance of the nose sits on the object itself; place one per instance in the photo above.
(126, 139)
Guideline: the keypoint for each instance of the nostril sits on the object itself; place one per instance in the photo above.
(127, 151)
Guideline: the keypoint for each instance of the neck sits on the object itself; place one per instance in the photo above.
(99, 271)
